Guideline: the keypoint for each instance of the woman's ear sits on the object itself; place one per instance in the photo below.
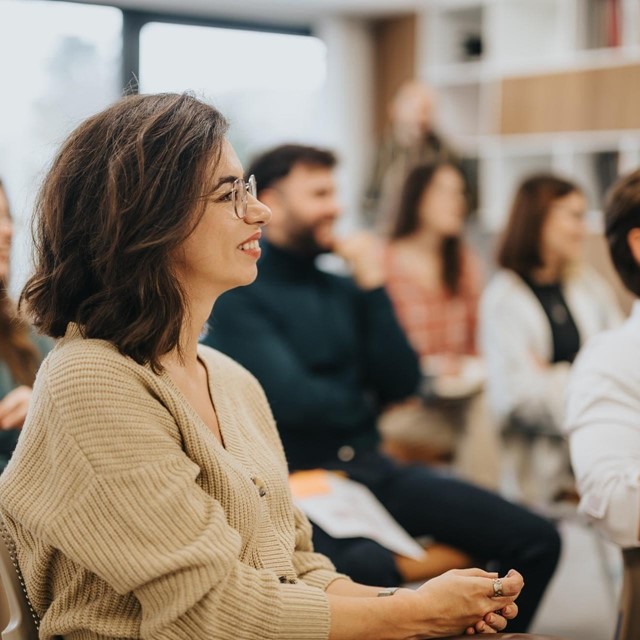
(633, 240)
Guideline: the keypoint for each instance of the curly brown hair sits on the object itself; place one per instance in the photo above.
(126, 189)
(17, 350)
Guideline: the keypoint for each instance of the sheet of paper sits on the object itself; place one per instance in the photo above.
(347, 509)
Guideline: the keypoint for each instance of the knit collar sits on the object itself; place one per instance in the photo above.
(285, 262)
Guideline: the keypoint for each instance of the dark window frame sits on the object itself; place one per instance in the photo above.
(133, 21)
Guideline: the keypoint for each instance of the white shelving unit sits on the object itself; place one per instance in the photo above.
(520, 38)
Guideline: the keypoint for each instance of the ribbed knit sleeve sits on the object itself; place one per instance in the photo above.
(314, 568)
(124, 502)
(156, 534)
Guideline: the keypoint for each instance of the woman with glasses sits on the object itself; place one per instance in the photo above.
(148, 494)
(20, 350)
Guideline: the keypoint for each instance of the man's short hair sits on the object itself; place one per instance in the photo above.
(276, 164)
(622, 213)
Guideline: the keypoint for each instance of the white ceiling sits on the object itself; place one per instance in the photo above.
(289, 11)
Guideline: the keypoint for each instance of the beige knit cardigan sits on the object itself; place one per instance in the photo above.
(133, 521)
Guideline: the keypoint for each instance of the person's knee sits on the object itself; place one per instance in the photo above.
(369, 563)
(553, 543)
(545, 544)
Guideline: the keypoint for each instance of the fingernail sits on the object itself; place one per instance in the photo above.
(480, 626)
(511, 572)
(490, 619)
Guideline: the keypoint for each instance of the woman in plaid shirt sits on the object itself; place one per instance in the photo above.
(435, 281)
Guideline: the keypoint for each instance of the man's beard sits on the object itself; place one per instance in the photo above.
(303, 241)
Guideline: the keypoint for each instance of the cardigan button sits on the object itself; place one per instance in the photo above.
(346, 453)
(260, 485)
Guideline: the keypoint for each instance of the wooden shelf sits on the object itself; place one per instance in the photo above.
(543, 95)
(589, 100)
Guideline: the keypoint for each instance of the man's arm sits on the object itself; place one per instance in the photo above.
(391, 365)
(603, 414)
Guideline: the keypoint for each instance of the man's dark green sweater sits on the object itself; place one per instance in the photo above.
(328, 354)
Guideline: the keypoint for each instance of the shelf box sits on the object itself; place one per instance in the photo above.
(600, 24)
(524, 30)
(456, 35)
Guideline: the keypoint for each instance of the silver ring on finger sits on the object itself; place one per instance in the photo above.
(497, 588)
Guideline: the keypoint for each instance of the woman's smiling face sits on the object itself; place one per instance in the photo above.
(222, 251)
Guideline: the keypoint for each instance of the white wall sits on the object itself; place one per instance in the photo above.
(348, 110)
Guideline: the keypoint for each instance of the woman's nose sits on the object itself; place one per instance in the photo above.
(257, 212)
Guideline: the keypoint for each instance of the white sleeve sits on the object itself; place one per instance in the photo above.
(603, 422)
(612, 316)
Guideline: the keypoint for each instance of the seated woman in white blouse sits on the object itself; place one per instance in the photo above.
(603, 410)
(536, 313)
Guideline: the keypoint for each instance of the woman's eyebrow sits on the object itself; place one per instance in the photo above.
(224, 180)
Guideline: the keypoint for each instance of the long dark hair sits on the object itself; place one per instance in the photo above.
(126, 189)
(17, 350)
(519, 248)
(407, 220)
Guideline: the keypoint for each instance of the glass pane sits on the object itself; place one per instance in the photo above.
(269, 85)
(60, 63)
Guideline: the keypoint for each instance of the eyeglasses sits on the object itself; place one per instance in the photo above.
(240, 192)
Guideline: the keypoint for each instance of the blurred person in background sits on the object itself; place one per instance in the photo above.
(603, 409)
(21, 351)
(331, 355)
(535, 314)
(435, 280)
(411, 140)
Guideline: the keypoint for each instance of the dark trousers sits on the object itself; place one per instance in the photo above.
(498, 534)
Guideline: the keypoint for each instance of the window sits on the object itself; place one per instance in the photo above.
(65, 64)
(269, 85)
(61, 63)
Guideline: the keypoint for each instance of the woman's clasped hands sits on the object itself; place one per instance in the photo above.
(463, 601)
